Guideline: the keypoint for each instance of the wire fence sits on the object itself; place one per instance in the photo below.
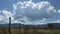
(24, 30)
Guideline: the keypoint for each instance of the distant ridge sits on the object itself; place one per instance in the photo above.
(17, 25)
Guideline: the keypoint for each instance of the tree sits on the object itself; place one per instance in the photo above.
(50, 26)
(34, 29)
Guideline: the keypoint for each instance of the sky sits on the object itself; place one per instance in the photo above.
(30, 11)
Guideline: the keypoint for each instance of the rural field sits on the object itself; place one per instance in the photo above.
(30, 31)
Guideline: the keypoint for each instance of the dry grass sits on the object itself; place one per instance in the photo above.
(30, 31)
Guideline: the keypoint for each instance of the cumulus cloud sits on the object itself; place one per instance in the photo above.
(28, 12)
(4, 17)
(55, 21)
(0, 11)
(6, 13)
(34, 12)
(59, 10)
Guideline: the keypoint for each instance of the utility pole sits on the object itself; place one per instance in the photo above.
(9, 25)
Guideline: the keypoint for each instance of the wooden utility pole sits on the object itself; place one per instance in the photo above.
(9, 25)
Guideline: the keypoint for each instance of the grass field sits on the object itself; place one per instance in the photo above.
(30, 31)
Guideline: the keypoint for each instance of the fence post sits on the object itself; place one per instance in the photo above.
(20, 28)
(9, 25)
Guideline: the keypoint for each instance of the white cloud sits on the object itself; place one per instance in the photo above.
(1, 17)
(4, 17)
(0, 11)
(28, 12)
(56, 21)
(59, 10)
(34, 12)
(6, 13)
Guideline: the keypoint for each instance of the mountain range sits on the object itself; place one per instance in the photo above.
(18, 25)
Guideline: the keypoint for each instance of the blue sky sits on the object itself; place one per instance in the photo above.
(7, 4)
(30, 12)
